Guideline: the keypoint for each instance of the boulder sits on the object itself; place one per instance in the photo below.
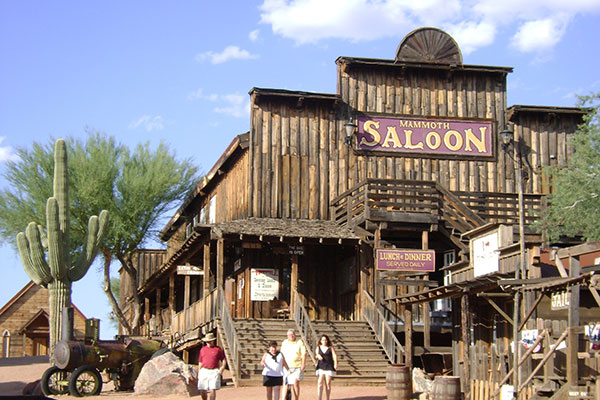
(421, 382)
(167, 374)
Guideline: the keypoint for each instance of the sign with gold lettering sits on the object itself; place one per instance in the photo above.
(425, 136)
(405, 260)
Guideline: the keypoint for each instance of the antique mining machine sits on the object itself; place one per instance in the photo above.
(78, 364)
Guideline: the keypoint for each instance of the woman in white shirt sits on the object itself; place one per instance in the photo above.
(273, 363)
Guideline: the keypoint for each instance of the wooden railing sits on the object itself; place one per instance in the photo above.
(307, 332)
(387, 338)
(197, 314)
(464, 210)
(231, 337)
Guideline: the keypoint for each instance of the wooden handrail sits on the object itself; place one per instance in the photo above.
(374, 317)
(307, 332)
(231, 337)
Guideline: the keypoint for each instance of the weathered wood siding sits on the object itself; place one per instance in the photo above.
(299, 160)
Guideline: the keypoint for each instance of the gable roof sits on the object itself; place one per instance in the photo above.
(20, 294)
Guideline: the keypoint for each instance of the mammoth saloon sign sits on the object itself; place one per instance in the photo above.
(425, 136)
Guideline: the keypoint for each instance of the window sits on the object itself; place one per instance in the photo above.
(212, 210)
(6, 344)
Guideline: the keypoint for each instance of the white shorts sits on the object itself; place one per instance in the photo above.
(209, 379)
(324, 372)
(293, 375)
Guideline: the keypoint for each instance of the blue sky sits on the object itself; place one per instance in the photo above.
(180, 71)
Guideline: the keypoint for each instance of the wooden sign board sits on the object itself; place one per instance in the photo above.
(405, 260)
(560, 300)
(189, 270)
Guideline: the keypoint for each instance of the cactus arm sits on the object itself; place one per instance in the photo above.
(61, 185)
(96, 228)
(56, 258)
(32, 255)
(43, 237)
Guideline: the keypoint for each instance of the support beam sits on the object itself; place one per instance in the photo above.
(172, 294)
(425, 306)
(531, 311)
(500, 310)
(220, 263)
(186, 292)
(466, 343)
(294, 282)
(206, 277)
(573, 338)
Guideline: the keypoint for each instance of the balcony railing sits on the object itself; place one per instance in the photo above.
(375, 199)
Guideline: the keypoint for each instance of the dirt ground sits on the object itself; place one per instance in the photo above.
(15, 373)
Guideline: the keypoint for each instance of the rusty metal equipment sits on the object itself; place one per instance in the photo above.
(78, 363)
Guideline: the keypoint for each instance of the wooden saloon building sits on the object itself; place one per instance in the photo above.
(392, 204)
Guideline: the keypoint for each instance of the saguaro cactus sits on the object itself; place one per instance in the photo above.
(57, 272)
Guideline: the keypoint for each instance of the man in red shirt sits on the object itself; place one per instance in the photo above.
(211, 364)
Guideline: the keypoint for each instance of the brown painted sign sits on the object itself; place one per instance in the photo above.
(425, 136)
(405, 260)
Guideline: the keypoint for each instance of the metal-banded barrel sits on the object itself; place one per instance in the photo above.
(446, 388)
(398, 381)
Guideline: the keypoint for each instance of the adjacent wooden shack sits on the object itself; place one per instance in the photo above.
(24, 323)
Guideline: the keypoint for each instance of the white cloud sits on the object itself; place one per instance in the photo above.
(308, 21)
(236, 105)
(540, 35)
(253, 36)
(149, 123)
(472, 35)
(6, 153)
(229, 53)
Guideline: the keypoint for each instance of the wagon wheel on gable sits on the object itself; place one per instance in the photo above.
(55, 381)
(85, 381)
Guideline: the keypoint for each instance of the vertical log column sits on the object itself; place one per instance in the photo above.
(294, 283)
(186, 292)
(157, 308)
(206, 276)
(172, 296)
(466, 343)
(426, 315)
(220, 263)
(573, 338)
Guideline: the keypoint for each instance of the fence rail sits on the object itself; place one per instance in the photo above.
(304, 325)
(384, 333)
(231, 337)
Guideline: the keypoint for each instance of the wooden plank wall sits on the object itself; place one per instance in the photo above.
(299, 160)
(232, 193)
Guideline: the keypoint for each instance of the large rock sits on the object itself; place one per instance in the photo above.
(165, 375)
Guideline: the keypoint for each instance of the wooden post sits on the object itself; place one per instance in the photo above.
(466, 342)
(220, 263)
(146, 309)
(294, 282)
(186, 292)
(158, 315)
(408, 336)
(376, 285)
(172, 294)
(426, 315)
(573, 339)
(206, 277)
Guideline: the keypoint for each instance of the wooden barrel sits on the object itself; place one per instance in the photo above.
(398, 382)
(446, 388)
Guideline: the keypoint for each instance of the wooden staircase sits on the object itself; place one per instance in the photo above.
(361, 359)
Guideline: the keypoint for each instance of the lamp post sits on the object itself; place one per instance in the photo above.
(508, 144)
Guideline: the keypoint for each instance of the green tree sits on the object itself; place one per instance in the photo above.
(137, 187)
(575, 198)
